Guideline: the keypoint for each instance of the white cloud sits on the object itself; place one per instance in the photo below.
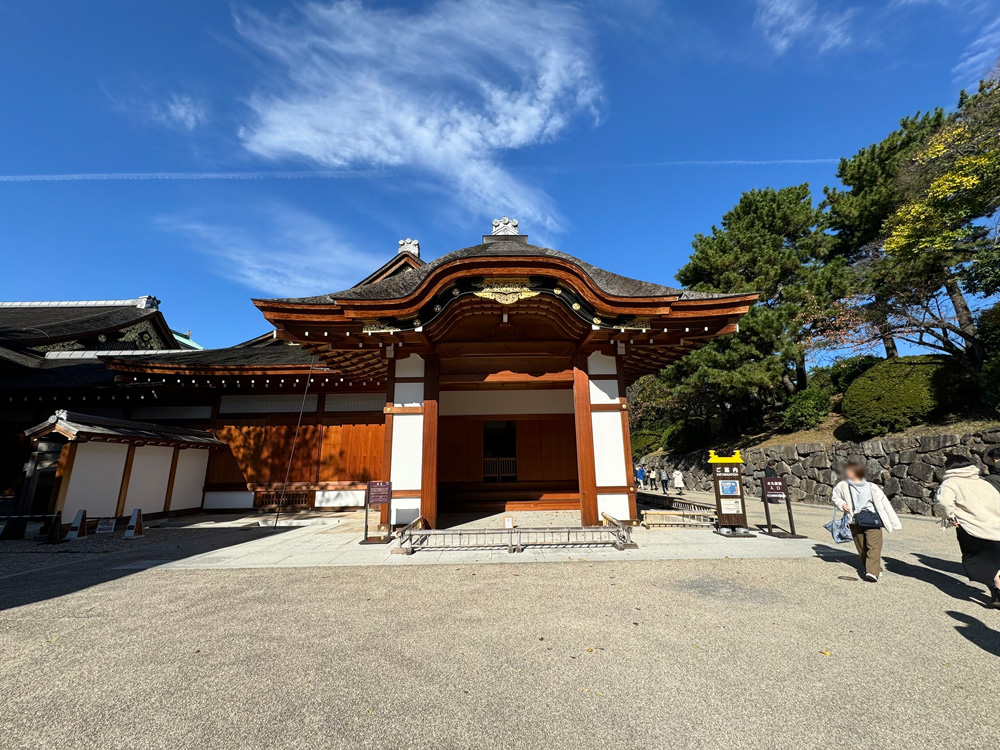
(980, 57)
(785, 22)
(179, 111)
(444, 92)
(277, 250)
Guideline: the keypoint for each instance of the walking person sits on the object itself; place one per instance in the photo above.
(640, 476)
(870, 513)
(663, 481)
(678, 481)
(651, 476)
(971, 504)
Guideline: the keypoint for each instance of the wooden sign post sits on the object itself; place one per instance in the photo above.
(730, 506)
(775, 488)
(378, 494)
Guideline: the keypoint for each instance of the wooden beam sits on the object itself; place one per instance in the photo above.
(586, 471)
(126, 476)
(170, 480)
(63, 473)
(428, 472)
(390, 397)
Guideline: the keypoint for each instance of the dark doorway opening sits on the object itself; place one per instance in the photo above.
(500, 451)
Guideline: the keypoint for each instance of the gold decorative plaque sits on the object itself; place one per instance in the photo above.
(377, 326)
(506, 291)
(636, 324)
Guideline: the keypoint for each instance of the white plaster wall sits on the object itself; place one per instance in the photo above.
(615, 506)
(409, 394)
(147, 484)
(601, 364)
(171, 412)
(454, 403)
(95, 480)
(410, 367)
(407, 451)
(405, 510)
(340, 499)
(189, 480)
(609, 449)
(232, 499)
(604, 391)
(265, 404)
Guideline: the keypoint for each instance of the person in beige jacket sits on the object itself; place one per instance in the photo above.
(870, 513)
(972, 505)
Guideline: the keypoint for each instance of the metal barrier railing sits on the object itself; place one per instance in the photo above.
(681, 518)
(416, 536)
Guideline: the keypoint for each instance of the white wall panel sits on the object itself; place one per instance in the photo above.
(223, 500)
(407, 451)
(409, 394)
(337, 402)
(410, 367)
(263, 404)
(501, 403)
(404, 510)
(604, 391)
(147, 484)
(189, 480)
(609, 449)
(601, 364)
(95, 480)
(340, 499)
(615, 506)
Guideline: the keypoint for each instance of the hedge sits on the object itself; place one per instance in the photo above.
(806, 409)
(900, 392)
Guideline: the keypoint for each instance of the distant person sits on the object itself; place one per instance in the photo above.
(870, 513)
(971, 503)
(663, 480)
(651, 476)
(677, 480)
(640, 477)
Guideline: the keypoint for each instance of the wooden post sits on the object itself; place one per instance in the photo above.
(627, 440)
(390, 396)
(170, 480)
(428, 472)
(126, 476)
(65, 469)
(586, 473)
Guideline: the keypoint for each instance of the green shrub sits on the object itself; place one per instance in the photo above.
(843, 372)
(900, 392)
(686, 435)
(644, 442)
(988, 330)
(806, 409)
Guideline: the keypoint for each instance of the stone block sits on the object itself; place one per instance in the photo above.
(798, 470)
(782, 468)
(911, 488)
(921, 472)
(827, 477)
(872, 448)
(930, 443)
(907, 456)
(818, 461)
(891, 486)
(805, 449)
(899, 470)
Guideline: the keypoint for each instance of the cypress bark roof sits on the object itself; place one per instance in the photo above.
(405, 283)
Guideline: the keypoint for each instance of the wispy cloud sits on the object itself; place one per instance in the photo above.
(276, 249)
(446, 91)
(260, 175)
(980, 58)
(785, 22)
(179, 111)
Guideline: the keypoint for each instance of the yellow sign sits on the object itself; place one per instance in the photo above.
(714, 458)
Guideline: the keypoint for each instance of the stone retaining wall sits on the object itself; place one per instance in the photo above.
(909, 469)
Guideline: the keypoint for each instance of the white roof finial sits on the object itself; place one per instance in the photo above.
(505, 226)
(408, 245)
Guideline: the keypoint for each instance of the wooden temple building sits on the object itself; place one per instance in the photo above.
(492, 378)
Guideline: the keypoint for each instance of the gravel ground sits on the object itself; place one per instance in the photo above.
(790, 653)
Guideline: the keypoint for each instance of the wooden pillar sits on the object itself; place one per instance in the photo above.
(170, 480)
(126, 476)
(63, 473)
(429, 465)
(586, 475)
(627, 439)
(390, 395)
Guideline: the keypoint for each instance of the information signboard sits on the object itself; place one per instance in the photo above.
(730, 505)
(378, 495)
(775, 489)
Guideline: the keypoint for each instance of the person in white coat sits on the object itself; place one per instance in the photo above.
(870, 513)
(677, 480)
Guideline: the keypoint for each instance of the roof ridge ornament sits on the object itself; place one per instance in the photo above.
(409, 246)
(505, 226)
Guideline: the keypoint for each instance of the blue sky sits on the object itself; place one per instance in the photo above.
(208, 152)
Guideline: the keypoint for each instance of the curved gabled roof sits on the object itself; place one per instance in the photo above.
(404, 284)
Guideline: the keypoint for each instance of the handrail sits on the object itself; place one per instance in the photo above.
(622, 532)
(406, 536)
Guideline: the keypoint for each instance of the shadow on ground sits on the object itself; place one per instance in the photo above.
(977, 632)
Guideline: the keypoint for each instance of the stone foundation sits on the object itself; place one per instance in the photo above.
(909, 469)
